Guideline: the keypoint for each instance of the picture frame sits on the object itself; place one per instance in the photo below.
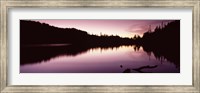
(4, 57)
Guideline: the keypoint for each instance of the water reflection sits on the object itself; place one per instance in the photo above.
(75, 59)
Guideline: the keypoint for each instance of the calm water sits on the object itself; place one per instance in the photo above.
(54, 59)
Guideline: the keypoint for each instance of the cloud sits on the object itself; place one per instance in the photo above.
(138, 28)
(142, 27)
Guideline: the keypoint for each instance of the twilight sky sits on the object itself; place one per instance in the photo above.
(123, 28)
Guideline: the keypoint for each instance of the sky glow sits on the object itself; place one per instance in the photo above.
(123, 28)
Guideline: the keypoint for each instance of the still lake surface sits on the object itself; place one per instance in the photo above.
(94, 60)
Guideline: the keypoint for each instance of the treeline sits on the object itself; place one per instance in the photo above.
(163, 42)
(32, 32)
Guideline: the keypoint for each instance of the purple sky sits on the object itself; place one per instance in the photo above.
(123, 28)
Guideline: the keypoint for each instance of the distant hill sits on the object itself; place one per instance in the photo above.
(32, 32)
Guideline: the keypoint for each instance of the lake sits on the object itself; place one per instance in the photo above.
(69, 59)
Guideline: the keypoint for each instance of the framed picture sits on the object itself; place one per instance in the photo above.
(100, 46)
